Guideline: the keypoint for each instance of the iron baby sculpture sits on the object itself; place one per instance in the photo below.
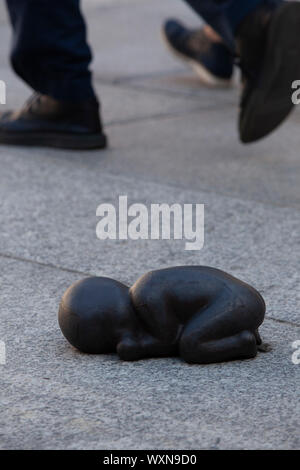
(199, 313)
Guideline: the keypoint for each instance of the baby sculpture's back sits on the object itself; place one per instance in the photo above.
(187, 289)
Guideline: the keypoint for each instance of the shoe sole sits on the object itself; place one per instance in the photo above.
(270, 104)
(206, 77)
(62, 141)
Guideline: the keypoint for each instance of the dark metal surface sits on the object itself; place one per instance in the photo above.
(200, 313)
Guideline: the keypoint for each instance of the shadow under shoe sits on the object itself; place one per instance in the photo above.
(44, 121)
(269, 49)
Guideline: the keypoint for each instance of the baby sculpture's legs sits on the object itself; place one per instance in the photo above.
(239, 346)
(211, 336)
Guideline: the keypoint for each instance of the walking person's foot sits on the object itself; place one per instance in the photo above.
(44, 121)
(269, 48)
(210, 58)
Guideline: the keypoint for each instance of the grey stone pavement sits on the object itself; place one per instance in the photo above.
(171, 140)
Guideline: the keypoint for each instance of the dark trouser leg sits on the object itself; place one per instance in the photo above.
(49, 48)
(225, 16)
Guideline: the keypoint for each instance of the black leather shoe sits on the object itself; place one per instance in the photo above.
(44, 121)
(269, 48)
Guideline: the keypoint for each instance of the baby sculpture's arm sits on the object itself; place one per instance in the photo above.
(132, 348)
(153, 309)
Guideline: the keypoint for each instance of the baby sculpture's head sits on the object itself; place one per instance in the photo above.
(94, 313)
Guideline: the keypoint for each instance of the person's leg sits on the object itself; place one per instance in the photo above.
(237, 11)
(264, 35)
(269, 50)
(49, 48)
(204, 48)
(50, 52)
(224, 16)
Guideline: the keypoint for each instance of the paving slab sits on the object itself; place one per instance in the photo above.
(196, 147)
(201, 151)
(124, 47)
(55, 397)
(121, 103)
(3, 13)
(49, 215)
(185, 82)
